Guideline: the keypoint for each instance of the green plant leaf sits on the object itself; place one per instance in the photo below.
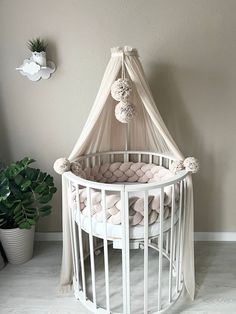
(19, 219)
(41, 177)
(31, 210)
(45, 198)
(25, 225)
(26, 183)
(27, 195)
(37, 44)
(30, 173)
(17, 208)
(53, 190)
(45, 208)
(16, 192)
(49, 180)
(31, 221)
(4, 187)
(27, 161)
(13, 170)
(41, 187)
(36, 173)
(27, 202)
(19, 179)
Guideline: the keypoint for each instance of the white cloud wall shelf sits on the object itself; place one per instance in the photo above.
(34, 71)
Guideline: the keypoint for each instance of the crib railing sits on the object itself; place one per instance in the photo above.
(91, 160)
(168, 241)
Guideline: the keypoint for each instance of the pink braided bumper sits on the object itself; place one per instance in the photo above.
(125, 172)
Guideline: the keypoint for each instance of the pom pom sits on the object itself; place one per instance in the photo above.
(76, 168)
(121, 89)
(191, 164)
(176, 166)
(61, 165)
(124, 112)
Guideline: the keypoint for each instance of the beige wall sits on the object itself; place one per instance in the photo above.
(188, 49)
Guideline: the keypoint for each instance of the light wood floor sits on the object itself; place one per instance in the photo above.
(32, 288)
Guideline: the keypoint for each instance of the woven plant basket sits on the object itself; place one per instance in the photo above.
(18, 244)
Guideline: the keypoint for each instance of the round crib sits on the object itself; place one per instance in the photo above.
(125, 267)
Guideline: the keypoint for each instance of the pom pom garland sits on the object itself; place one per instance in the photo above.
(61, 165)
(125, 112)
(121, 89)
(191, 164)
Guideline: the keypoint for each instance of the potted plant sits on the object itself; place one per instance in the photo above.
(24, 196)
(38, 48)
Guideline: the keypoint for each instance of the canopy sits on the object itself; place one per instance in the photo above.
(102, 132)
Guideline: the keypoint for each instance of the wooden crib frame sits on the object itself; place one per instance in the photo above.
(169, 241)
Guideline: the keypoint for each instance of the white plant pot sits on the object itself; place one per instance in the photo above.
(18, 244)
(40, 58)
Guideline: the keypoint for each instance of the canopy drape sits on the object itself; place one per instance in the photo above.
(102, 132)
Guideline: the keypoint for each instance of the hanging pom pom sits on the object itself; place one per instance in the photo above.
(61, 165)
(76, 168)
(125, 112)
(121, 89)
(191, 164)
(176, 166)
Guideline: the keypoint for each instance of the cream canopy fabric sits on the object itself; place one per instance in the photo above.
(102, 132)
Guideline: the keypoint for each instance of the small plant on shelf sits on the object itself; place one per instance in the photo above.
(38, 48)
(24, 194)
(37, 45)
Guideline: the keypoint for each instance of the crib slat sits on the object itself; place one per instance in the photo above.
(178, 241)
(161, 161)
(171, 242)
(167, 242)
(126, 157)
(91, 246)
(122, 197)
(99, 159)
(71, 228)
(75, 244)
(125, 252)
(112, 158)
(87, 162)
(150, 159)
(80, 242)
(184, 192)
(145, 252)
(106, 252)
(139, 157)
(160, 249)
(126, 210)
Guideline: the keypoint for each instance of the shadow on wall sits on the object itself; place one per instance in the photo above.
(52, 51)
(5, 155)
(179, 118)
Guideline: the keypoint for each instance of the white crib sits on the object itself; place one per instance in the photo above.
(160, 245)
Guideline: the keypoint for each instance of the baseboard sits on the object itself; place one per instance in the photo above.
(198, 236)
(215, 236)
